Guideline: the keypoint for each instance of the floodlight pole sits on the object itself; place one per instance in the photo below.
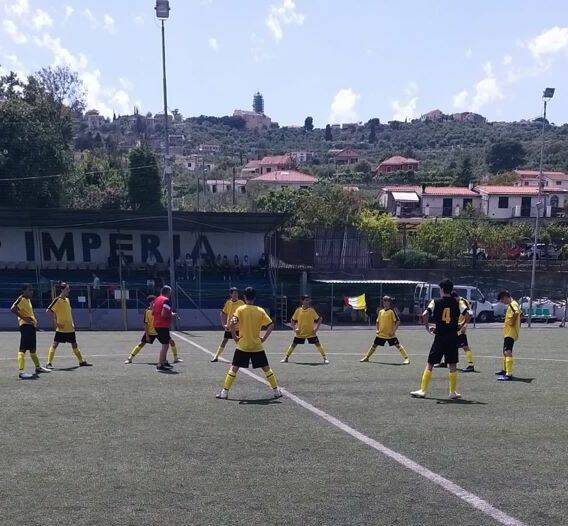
(540, 204)
(167, 166)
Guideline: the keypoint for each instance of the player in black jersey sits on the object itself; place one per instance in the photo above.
(445, 312)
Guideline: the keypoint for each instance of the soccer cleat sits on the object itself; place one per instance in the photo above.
(214, 360)
(85, 364)
(364, 360)
(504, 378)
(42, 370)
(502, 372)
(418, 394)
(49, 366)
(223, 394)
(128, 360)
(326, 361)
(27, 376)
(406, 361)
(162, 368)
(454, 396)
(284, 360)
(442, 365)
(469, 369)
(178, 360)
(277, 393)
(168, 365)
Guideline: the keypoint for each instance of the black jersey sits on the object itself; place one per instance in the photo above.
(445, 313)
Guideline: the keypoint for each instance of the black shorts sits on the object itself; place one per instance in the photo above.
(28, 338)
(314, 340)
(148, 339)
(243, 358)
(163, 335)
(508, 344)
(228, 335)
(445, 346)
(462, 341)
(65, 337)
(382, 341)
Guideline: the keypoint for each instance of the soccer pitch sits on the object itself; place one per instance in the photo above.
(122, 444)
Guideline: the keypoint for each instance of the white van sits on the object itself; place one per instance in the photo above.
(482, 309)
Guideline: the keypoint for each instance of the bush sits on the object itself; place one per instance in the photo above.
(413, 258)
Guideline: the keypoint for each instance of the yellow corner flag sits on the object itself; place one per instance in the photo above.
(356, 302)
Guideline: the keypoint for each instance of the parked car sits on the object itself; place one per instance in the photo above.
(480, 253)
(482, 309)
(515, 251)
(543, 251)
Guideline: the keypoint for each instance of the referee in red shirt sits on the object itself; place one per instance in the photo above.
(163, 316)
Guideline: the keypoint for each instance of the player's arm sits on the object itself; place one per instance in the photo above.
(50, 310)
(319, 321)
(294, 323)
(15, 309)
(167, 310)
(426, 316)
(466, 313)
(233, 328)
(396, 322)
(224, 319)
(267, 332)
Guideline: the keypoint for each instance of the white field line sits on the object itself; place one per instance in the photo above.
(473, 500)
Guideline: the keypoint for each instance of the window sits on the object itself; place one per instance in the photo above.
(558, 183)
(554, 201)
(461, 291)
(526, 183)
(435, 292)
(503, 202)
(476, 295)
(214, 189)
(268, 170)
(467, 202)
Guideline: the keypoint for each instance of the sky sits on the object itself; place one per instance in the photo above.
(334, 60)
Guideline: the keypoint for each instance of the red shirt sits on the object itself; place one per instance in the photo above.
(162, 322)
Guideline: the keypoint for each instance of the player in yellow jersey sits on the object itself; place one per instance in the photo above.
(231, 305)
(60, 309)
(250, 320)
(27, 321)
(306, 323)
(150, 334)
(388, 322)
(511, 329)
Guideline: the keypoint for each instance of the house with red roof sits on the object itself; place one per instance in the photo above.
(283, 179)
(550, 179)
(275, 163)
(397, 163)
(346, 156)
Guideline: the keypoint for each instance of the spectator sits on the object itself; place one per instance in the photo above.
(96, 288)
(237, 265)
(219, 261)
(151, 263)
(226, 268)
(246, 265)
(188, 265)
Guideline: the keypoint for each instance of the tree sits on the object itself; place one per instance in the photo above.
(464, 175)
(503, 179)
(144, 189)
(372, 133)
(64, 86)
(380, 229)
(328, 134)
(309, 124)
(505, 156)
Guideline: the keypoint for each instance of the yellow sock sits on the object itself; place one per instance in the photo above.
(271, 377)
(219, 351)
(35, 359)
(370, 352)
(136, 350)
(174, 350)
(468, 355)
(509, 365)
(21, 361)
(51, 354)
(78, 354)
(290, 350)
(321, 350)
(453, 377)
(426, 376)
(504, 363)
(229, 379)
(402, 351)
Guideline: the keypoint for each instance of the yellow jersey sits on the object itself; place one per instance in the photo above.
(149, 322)
(230, 307)
(251, 320)
(25, 310)
(386, 321)
(512, 325)
(305, 319)
(461, 319)
(61, 307)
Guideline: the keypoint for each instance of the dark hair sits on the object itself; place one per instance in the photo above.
(250, 293)
(166, 289)
(151, 298)
(61, 286)
(455, 294)
(447, 286)
(233, 289)
(387, 298)
(304, 296)
(27, 286)
(503, 294)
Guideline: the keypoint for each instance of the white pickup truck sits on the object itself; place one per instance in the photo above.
(482, 309)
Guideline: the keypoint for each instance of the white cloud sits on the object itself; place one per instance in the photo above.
(460, 99)
(258, 49)
(402, 111)
(488, 69)
(468, 52)
(507, 60)
(283, 15)
(139, 20)
(17, 7)
(109, 24)
(13, 32)
(41, 19)
(69, 10)
(88, 14)
(411, 89)
(549, 42)
(15, 65)
(343, 106)
(126, 83)
(61, 55)
(213, 43)
(487, 90)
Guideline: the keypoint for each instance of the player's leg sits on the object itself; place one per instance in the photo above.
(315, 341)
(396, 343)
(163, 357)
(506, 345)
(77, 351)
(451, 357)
(453, 378)
(136, 349)
(30, 344)
(435, 357)
(271, 377)
(507, 360)
(221, 348)
(51, 353)
(295, 342)
(378, 341)
(175, 354)
(228, 383)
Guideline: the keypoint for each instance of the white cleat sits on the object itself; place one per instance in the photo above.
(284, 360)
(178, 360)
(364, 360)
(277, 393)
(26, 376)
(42, 370)
(326, 361)
(128, 360)
(454, 396)
(223, 394)
(418, 394)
